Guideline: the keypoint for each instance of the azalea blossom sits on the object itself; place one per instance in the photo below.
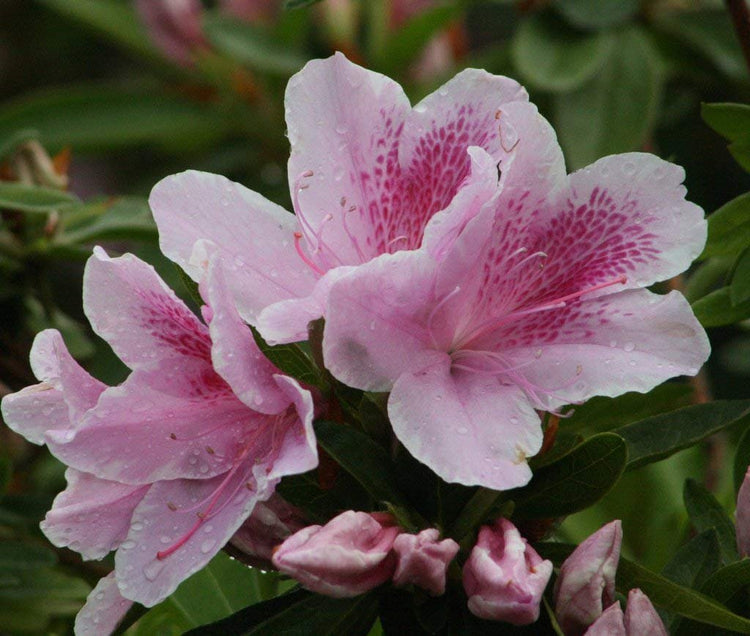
(168, 465)
(537, 302)
(369, 175)
(423, 560)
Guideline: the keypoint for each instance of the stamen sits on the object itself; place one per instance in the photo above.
(490, 325)
(393, 241)
(434, 311)
(305, 258)
(349, 234)
(525, 260)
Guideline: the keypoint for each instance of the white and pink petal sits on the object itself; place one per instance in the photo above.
(104, 609)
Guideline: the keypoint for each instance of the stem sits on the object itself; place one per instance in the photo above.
(741, 19)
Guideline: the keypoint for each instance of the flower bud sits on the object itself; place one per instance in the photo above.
(504, 577)
(422, 560)
(174, 26)
(610, 623)
(641, 619)
(349, 555)
(742, 517)
(586, 584)
(271, 522)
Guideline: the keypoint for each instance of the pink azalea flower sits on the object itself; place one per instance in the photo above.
(173, 460)
(538, 303)
(423, 561)
(369, 175)
(504, 577)
(348, 556)
(174, 26)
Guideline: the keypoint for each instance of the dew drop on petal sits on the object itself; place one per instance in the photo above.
(129, 544)
(208, 545)
(629, 346)
(136, 526)
(462, 430)
(153, 569)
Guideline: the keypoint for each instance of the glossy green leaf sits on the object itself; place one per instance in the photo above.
(741, 459)
(45, 583)
(709, 33)
(251, 45)
(716, 309)
(695, 561)
(601, 414)
(661, 591)
(126, 218)
(575, 481)
(660, 436)
(26, 198)
(706, 513)
(729, 228)
(616, 109)
(739, 289)
(596, 14)
(552, 56)
(299, 613)
(403, 46)
(363, 459)
(322, 497)
(220, 589)
(729, 120)
(105, 118)
(723, 585)
(292, 359)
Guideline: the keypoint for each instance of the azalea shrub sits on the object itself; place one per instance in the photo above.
(460, 372)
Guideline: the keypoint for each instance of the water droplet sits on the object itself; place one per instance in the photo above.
(628, 168)
(613, 343)
(136, 526)
(99, 596)
(153, 569)
(128, 544)
(514, 420)
(372, 325)
(204, 468)
(462, 430)
(208, 545)
(629, 346)
(632, 363)
(209, 528)
(165, 539)
(258, 400)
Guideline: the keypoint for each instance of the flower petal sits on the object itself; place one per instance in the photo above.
(467, 428)
(105, 607)
(234, 353)
(168, 519)
(255, 237)
(91, 516)
(630, 341)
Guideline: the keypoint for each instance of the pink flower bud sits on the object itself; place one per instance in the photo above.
(422, 560)
(174, 26)
(641, 619)
(250, 10)
(271, 522)
(742, 517)
(586, 584)
(349, 555)
(504, 577)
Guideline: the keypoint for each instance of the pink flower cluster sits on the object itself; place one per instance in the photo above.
(457, 267)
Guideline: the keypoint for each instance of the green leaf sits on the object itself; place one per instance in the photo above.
(710, 33)
(728, 119)
(15, 139)
(220, 589)
(17, 555)
(663, 435)
(739, 289)
(723, 585)
(729, 228)
(575, 481)
(300, 613)
(298, 4)
(716, 309)
(364, 460)
(403, 45)
(695, 561)
(251, 45)
(661, 591)
(292, 359)
(706, 513)
(601, 414)
(105, 118)
(597, 14)
(616, 109)
(117, 21)
(320, 501)
(26, 198)
(552, 56)
(125, 218)
(741, 459)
